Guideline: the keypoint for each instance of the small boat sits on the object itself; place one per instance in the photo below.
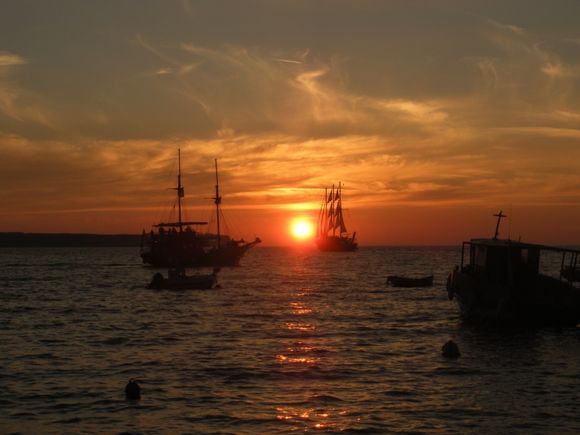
(331, 232)
(404, 281)
(506, 282)
(178, 280)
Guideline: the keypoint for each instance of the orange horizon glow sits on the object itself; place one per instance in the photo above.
(397, 225)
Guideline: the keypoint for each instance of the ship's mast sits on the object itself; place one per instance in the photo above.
(339, 219)
(335, 216)
(321, 215)
(218, 200)
(331, 212)
(180, 191)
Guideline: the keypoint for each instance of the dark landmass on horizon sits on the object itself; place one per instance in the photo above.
(40, 240)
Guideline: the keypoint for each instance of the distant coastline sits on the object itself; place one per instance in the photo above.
(39, 240)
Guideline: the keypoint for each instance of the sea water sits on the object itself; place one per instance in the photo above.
(292, 341)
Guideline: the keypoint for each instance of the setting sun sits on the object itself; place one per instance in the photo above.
(302, 229)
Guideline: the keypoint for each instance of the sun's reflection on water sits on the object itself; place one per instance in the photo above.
(333, 419)
(299, 353)
(300, 326)
(282, 359)
(300, 308)
(308, 361)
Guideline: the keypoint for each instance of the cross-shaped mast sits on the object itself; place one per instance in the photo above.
(499, 216)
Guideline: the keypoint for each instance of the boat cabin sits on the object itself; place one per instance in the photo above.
(505, 262)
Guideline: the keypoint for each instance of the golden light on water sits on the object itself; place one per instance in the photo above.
(284, 359)
(300, 308)
(332, 419)
(300, 326)
(303, 356)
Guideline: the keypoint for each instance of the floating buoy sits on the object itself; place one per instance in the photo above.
(132, 390)
(157, 281)
(450, 350)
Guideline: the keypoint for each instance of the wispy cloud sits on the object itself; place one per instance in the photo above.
(15, 102)
(10, 59)
(559, 70)
(290, 61)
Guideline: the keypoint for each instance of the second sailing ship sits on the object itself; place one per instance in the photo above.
(331, 232)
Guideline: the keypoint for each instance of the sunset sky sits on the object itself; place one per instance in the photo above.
(434, 115)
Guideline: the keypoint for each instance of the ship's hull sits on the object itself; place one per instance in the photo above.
(224, 256)
(184, 282)
(541, 301)
(195, 255)
(336, 244)
(218, 258)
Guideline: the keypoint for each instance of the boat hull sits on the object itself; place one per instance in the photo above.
(192, 282)
(336, 244)
(402, 281)
(195, 254)
(542, 301)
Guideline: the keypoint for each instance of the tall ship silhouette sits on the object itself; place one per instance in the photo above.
(331, 231)
(181, 244)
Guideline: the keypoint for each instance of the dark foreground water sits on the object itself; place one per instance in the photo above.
(292, 342)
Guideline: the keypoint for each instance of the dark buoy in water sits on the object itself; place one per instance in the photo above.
(450, 350)
(132, 390)
(157, 281)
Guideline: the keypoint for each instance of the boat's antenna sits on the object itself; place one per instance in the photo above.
(499, 216)
(218, 201)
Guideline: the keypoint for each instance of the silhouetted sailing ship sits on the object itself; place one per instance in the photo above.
(178, 244)
(331, 232)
